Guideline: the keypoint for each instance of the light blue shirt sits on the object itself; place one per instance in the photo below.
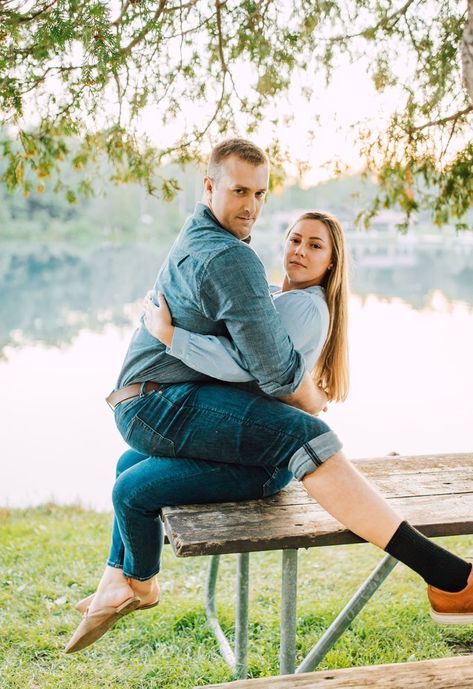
(216, 285)
(304, 314)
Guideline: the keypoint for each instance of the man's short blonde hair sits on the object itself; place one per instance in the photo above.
(245, 150)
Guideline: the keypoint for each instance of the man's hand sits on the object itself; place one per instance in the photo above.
(323, 403)
(308, 397)
(158, 320)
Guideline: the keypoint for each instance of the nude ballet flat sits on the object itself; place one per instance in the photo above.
(96, 624)
(83, 604)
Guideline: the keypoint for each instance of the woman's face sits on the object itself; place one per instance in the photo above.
(307, 254)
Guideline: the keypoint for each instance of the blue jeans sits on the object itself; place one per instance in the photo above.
(204, 443)
(146, 484)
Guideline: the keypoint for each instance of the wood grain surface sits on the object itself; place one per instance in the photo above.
(434, 492)
(446, 673)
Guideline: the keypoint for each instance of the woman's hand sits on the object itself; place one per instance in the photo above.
(158, 320)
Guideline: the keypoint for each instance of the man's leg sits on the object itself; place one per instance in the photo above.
(221, 423)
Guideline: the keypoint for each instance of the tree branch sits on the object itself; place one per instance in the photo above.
(220, 36)
(443, 120)
(396, 15)
(119, 19)
(145, 31)
(382, 24)
(32, 17)
(149, 26)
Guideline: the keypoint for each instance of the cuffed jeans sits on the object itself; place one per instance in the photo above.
(201, 443)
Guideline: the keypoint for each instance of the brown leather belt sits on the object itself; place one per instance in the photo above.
(129, 392)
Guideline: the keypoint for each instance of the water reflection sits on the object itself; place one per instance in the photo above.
(50, 292)
(416, 284)
(410, 356)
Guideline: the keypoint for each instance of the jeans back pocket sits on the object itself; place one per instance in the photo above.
(145, 439)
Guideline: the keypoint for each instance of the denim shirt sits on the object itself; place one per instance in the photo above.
(215, 284)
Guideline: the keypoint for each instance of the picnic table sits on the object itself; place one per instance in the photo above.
(433, 492)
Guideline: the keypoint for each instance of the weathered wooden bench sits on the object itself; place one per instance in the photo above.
(446, 673)
(434, 492)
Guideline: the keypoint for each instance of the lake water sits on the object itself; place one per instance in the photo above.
(66, 317)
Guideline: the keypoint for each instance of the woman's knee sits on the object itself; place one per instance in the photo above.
(127, 460)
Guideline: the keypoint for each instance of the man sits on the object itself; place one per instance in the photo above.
(215, 284)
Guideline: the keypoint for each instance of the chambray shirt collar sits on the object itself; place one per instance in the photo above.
(202, 211)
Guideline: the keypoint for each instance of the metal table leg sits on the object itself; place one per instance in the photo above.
(211, 613)
(287, 651)
(348, 614)
(238, 661)
(241, 624)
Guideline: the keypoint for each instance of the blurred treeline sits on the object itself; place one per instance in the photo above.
(127, 212)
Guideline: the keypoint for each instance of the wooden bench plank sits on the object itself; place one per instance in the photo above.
(446, 673)
(434, 492)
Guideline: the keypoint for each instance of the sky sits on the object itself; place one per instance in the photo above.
(350, 98)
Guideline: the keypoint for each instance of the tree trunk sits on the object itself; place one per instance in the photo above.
(467, 52)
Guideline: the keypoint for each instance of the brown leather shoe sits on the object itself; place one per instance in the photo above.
(95, 624)
(84, 604)
(452, 608)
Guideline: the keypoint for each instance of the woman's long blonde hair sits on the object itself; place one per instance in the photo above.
(331, 368)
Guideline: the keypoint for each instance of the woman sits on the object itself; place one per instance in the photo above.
(312, 303)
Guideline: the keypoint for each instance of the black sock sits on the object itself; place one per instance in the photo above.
(437, 566)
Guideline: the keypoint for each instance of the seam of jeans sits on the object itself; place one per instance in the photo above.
(135, 550)
(117, 565)
(273, 476)
(244, 422)
(218, 412)
(120, 556)
(312, 453)
(223, 415)
(163, 482)
(131, 497)
(153, 431)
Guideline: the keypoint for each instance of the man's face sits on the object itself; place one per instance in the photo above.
(236, 194)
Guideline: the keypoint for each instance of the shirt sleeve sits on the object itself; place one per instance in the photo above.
(214, 355)
(302, 320)
(234, 290)
(217, 356)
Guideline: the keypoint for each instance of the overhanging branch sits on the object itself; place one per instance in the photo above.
(441, 121)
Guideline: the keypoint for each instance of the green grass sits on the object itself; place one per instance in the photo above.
(52, 556)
